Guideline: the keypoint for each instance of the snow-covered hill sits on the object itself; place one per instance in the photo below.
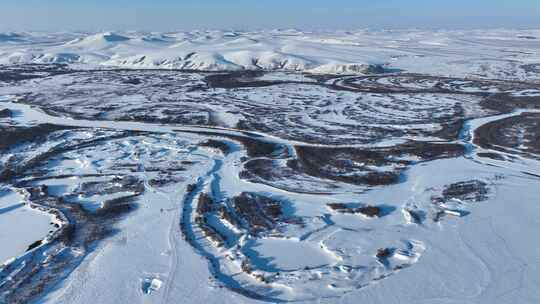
(494, 53)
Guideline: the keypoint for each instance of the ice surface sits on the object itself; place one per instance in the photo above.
(20, 225)
(276, 255)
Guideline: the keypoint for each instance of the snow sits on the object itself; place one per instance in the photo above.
(460, 251)
(451, 53)
(276, 255)
(20, 225)
(446, 257)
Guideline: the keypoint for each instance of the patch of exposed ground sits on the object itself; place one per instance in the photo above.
(514, 135)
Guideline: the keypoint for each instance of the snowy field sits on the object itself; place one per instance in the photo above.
(270, 167)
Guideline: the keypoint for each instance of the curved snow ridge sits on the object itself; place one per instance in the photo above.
(98, 39)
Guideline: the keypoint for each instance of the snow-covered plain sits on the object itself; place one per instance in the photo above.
(272, 166)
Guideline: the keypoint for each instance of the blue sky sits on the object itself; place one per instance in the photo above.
(252, 14)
